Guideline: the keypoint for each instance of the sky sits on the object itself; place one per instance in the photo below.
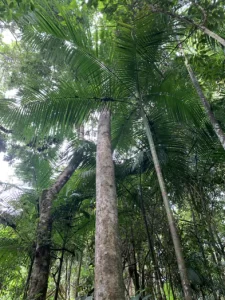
(7, 173)
(7, 36)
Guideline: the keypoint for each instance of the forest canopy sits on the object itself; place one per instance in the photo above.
(112, 116)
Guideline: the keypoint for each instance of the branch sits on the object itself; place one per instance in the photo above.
(63, 249)
(8, 223)
(5, 130)
(204, 29)
(202, 11)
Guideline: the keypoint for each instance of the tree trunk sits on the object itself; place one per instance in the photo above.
(132, 269)
(78, 276)
(40, 271)
(108, 266)
(59, 273)
(159, 283)
(28, 277)
(172, 225)
(201, 248)
(69, 279)
(219, 132)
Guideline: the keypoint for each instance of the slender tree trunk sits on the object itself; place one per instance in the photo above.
(171, 285)
(80, 132)
(159, 283)
(212, 34)
(219, 132)
(69, 279)
(66, 278)
(186, 20)
(40, 271)
(59, 273)
(108, 265)
(78, 276)
(201, 248)
(132, 269)
(172, 225)
(28, 278)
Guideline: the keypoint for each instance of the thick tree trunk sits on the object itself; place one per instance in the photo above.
(172, 225)
(108, 266)
(40, 271)
(216, 126)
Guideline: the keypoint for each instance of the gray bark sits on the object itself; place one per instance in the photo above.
(40, 271)
(212, 34)
(171, 221)
(108, 266)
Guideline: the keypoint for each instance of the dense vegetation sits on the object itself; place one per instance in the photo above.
(117, 135)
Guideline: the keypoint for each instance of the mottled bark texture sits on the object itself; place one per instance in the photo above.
(108, 266)
(172, 226)
(40, 271)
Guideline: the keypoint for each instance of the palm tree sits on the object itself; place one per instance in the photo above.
(191, 22)
(135, 70)
(107, 246)
(215, 124)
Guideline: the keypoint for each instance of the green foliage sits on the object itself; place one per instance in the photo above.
(14, 9)
(67, 65)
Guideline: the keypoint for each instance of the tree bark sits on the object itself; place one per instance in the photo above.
(216, 126)
(200, 244)
(78, 275)
(59, 274)
(159, 283)
(69, 279)
(172, 225)
(28, 277)
(108, 265)
(40, 271)
(132, 269)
